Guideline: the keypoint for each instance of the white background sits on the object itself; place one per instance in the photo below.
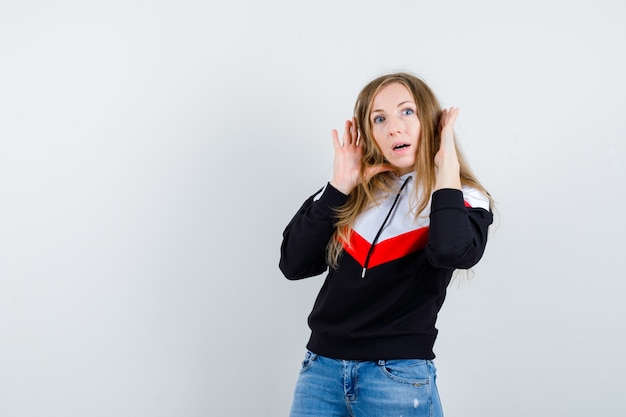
(151, 153)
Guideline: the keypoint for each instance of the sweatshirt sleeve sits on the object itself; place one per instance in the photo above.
(303, 250)
(458, 229)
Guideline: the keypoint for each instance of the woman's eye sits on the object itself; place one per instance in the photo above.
(408, 112)
(379, 119)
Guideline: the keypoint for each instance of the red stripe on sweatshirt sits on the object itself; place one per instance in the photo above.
(388, 250)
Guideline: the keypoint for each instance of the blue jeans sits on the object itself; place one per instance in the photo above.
(337, 388)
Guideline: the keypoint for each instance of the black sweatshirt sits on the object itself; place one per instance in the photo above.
(383, 299)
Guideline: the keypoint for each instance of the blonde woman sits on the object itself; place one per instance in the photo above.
(401, 212)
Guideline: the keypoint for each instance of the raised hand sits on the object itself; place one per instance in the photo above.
(347, 160)
(446, 160)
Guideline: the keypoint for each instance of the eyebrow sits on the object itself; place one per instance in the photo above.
(399, 105)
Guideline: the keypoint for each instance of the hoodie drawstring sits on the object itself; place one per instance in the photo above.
(382, 226)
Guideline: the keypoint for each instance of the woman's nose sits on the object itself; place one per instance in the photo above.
(394, 125)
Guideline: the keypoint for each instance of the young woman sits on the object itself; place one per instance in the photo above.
(401, 213)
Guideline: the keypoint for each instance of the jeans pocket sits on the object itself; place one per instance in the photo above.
(416, 372)
(307, 362)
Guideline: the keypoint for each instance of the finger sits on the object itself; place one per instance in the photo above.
(451, 116)
(355, 131)
(448, 118)
(347, 136)
(336, 143)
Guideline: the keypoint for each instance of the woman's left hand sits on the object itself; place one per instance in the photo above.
(446, 160)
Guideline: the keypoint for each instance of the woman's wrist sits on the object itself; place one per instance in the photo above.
(448, 176)
(342, 187)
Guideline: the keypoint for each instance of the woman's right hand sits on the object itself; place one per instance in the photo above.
(347, 162)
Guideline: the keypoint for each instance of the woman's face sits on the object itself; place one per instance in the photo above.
(395, 126)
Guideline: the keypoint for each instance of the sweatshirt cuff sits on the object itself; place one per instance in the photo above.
(331, 198)
(447, 198)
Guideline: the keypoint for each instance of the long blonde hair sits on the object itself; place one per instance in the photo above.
(428, 112)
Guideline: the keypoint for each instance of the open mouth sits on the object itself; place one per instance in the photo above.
(401, 146)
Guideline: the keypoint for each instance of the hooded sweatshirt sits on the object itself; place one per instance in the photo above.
(383, 299)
